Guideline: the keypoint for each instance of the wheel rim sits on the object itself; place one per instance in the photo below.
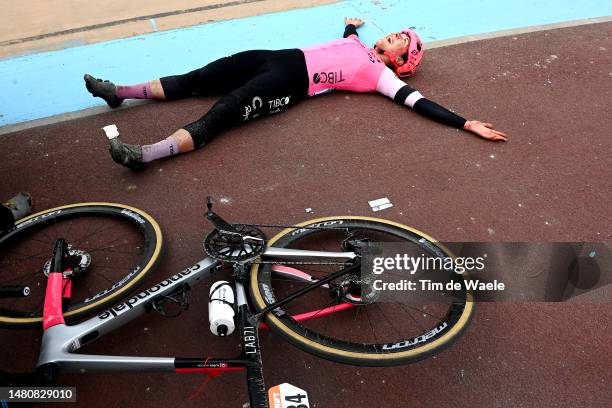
(456, 317)
(110, 276)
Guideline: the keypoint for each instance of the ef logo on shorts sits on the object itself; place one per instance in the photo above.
(257, 103)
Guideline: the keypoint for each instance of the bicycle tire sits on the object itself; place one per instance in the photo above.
(81, 219)
(263, 294)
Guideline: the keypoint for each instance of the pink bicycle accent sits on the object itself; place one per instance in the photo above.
(316, 313)
(52, 314)
(307, 315)
(67, 291)
(292, 271)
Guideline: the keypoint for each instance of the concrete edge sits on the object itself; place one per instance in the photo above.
(63, 117)
(433, 44)
(516, 31)
(128, 27)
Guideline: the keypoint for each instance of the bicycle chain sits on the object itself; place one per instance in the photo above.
(291, 226)
(279, 226)
(296, 263)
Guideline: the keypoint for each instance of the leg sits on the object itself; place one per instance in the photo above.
(218, 77)
(265, 94)
(178, 142)
(147, 90)
(134, 156)
(281, 82)
(115, 95)
(181, 141)
(258, 97)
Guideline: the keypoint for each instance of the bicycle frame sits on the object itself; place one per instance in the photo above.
(60, 341)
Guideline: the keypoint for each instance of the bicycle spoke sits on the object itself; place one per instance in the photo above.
(41, 241)
(109, 246)
(426, 313)
(334, 303)
(412, 317)
(89, 230)
(33, 256)
(94, 233)
(387, 319)
(114, 267)
(104, 277)
(30, 277)
(110, 250)
(45, 233)
(370, 323)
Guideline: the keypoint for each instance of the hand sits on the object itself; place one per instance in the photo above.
(485, 130)
(357, 22)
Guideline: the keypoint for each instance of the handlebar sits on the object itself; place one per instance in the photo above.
(17, 291)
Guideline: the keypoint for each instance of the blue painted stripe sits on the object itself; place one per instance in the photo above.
(46, 84)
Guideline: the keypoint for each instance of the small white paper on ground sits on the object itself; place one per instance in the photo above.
(308, 210)
(380, 204)
(111, 131)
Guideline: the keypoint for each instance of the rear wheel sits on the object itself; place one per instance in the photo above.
(343, 328)
(115, 246)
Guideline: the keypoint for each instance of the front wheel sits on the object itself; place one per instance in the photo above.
(339, 326)
(113, 247)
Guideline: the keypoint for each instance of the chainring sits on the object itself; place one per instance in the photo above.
(248, 244)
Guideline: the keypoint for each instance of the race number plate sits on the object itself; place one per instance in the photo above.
(287, 396)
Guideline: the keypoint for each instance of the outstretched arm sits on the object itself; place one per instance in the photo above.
(393, 87)
(351, 26)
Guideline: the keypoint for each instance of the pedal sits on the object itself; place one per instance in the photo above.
(287, 396)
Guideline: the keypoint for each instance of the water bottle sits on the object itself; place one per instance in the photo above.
(221, 309)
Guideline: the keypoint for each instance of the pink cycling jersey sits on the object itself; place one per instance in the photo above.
(343, 64)
(348, 64)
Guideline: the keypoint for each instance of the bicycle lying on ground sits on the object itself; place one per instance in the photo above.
(305, 284)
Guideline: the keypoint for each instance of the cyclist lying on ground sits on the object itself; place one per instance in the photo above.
(262, 82)
(14, 209)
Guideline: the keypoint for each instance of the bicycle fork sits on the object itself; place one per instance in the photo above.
(59, 286)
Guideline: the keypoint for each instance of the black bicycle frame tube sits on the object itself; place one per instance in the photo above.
(305, 290)
(249, 330)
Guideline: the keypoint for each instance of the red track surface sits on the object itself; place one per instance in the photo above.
(550, 91)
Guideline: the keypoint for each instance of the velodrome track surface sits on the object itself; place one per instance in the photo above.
(550, 91)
